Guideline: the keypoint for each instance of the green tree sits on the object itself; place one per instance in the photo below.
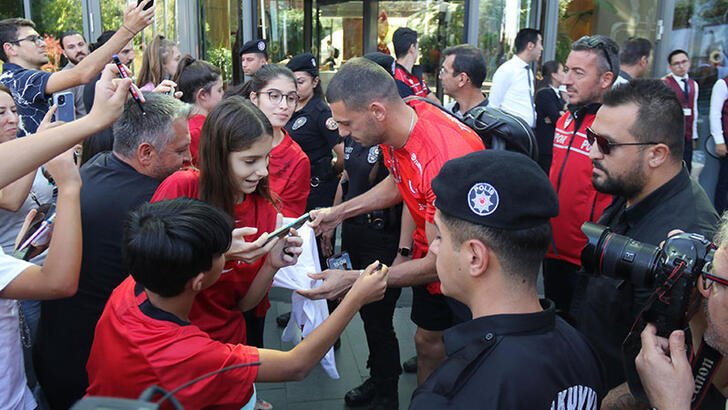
(56, 16)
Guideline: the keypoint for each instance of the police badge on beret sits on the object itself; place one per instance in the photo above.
(331, 124)
(261, 45)
(299, 123)
(483, 199)
(373, 154)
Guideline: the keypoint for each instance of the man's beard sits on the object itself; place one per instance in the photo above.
(712, 336)
(628, 186)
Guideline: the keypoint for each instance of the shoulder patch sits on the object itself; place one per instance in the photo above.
(331, 124)
(299, 123)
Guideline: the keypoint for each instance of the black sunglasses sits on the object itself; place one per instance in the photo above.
(605, 147)
(717, 279)
(596, 42)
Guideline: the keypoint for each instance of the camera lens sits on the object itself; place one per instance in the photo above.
(610, 254)
(61, 99)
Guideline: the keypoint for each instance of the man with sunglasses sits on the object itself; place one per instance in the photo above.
(591, 68)
(662, 364)
(23, 52)
(636, 149)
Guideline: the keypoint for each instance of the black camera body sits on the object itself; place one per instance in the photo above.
(672, 271)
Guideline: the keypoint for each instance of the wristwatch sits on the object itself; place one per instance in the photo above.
(406, 252)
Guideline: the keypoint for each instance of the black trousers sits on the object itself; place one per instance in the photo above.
(688, 155)
(721, 187)
(365, 245)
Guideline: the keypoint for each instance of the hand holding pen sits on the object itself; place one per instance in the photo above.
(124, 73)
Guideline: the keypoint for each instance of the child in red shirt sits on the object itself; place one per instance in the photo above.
(201, 85)
(175, 250)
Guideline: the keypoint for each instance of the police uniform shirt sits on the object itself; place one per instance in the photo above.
(359, 162)
(314, 129)
(514, 361)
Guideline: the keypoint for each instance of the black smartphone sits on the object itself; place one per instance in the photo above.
(283, 230)
(148, 6)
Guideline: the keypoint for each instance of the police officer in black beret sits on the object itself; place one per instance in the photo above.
(253, 55)
(492, 219)
(313, 128)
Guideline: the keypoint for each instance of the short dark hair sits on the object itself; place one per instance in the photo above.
(193, 75)
(673, 53)
(102, 39)
(402, 39)
(633, 49)
(525, 36)
(359, 82)
(9, 32)
(520, 251)
(68, 33)
(168, 243)
(659, 117)
(606, 50)
(469, 60)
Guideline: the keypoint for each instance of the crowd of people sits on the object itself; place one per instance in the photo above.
(163, 193)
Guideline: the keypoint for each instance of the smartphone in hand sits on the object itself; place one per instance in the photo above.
(283, 230)
(66, 104)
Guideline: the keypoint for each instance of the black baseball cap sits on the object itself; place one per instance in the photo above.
(304, 62)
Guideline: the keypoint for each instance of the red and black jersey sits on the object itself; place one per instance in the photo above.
(571, 176)
(436, 138)
(415, 83)
(137, 345)
(216, 308)
(289, 174)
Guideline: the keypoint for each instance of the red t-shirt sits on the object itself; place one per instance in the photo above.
(289, 174)
(436, 138)
(216, 308)
(137, 345)
(195, 123)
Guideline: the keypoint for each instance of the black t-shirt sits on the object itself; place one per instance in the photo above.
(111, 188)
(514, 361)
(313, 128)
(608, 307)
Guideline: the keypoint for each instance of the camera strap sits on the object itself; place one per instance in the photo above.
(705, 363)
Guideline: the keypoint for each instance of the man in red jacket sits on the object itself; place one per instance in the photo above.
(591, 68)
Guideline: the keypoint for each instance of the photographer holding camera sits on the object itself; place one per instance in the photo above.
(663, 365)
(636, 152)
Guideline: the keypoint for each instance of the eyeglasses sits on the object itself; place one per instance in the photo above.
(33, 38)
(275, 96)
(605, 146)
(680, 63)
(595, 42)
(709, 278)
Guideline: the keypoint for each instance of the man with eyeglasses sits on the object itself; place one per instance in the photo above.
(462, 73)
(24, 53)
(636, 150)
(663, 365)
(591, 68)
(686, 90)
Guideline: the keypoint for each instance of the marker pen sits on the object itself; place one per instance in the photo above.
(125, 74)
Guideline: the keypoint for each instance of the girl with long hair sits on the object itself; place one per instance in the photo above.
(235, 145)
(159, 62)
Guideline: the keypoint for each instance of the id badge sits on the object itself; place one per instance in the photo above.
(341, 261)
(687, 112)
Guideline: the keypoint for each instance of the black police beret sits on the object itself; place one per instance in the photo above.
(304, 62)
(494, 188)
(385, 61)
(254, 46)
